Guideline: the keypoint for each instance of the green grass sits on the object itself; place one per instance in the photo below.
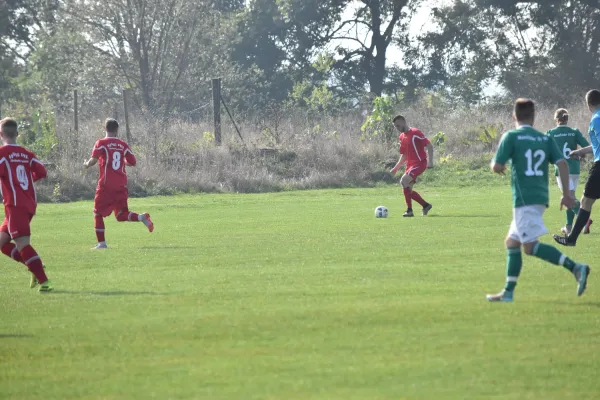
(297, 295)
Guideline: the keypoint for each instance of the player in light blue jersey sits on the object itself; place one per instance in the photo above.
(592, 187)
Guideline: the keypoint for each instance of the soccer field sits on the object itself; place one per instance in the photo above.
(297, 295)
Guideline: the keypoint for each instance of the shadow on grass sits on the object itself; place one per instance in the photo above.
(166, 247)
(14, 335)
(589, 304)
(109, 293)
(577, 303)
(460, 216)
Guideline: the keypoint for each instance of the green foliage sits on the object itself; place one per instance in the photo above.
(271, 137)
(314, 94)
(37, 129)
(207, 140)
(378, 124)
(317, 130)
(315, 98)
(490, 134)
(531, 48)
(439, 141)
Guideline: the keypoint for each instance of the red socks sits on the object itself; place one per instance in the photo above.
(408, 197)
(128, 216)
(99, 226)
(417, 197)
(10, 250)
(34, 263)
(121, 217)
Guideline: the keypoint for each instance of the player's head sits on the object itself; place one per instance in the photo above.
(561, 116)
(524, 111)
(9, 130)
(111, 126)
(592, 98)
(400, 123)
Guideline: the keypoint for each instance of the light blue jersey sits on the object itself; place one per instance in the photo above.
(595, 134)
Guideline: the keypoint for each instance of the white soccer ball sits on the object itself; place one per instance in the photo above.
(381, 212)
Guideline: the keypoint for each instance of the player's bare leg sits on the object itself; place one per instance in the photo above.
(128, 216)
(570, 213)
(583, 218)
(586, 229)
(33, 261)
(99, 228)
(574, 211)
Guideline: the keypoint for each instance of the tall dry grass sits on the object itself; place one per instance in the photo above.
(289, 152)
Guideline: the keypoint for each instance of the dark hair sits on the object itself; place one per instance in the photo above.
(593, 97)
(397, 117)
(111, 125)
(561, 115)
(524, 109)
(9, 127)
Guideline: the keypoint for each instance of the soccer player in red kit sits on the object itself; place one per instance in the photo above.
(113, 155)
(19, 168)
(417, 152)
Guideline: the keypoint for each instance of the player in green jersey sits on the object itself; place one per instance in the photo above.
(568, 139)
(530, 152)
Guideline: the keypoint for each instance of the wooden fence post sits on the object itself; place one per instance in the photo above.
(126, 111)
(75, 112)
(216, 97)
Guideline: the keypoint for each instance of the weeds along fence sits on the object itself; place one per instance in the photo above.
(284, 149)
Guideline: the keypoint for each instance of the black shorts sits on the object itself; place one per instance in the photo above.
(592, 186)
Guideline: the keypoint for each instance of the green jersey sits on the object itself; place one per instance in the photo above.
(529, 152)
(567, 139)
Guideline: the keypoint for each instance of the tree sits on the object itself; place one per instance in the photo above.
(371, 28)
(158, 47)
(543, 49)
(19, 22)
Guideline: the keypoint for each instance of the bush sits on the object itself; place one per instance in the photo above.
(308, 153)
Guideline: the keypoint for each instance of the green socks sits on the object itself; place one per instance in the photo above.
(514, 262)
(572, 212)
(570, 216)
(553, 255)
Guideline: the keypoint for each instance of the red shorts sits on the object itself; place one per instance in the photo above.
(107, 202)
(415, 170)
(16, 222)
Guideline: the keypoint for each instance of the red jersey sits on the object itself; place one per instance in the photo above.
(19, 168)
(412, 145)
(112, 154)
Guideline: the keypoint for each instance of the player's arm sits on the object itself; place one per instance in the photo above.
(556, 157)
(90, 163)
(401, 161)
(581, 140)
(130, 160)
(498, 168)
(503, 154)
(429, 148)
(575, 154)
(38, 170)
(563, 173)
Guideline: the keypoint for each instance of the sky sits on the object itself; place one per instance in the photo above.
(421, 22)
